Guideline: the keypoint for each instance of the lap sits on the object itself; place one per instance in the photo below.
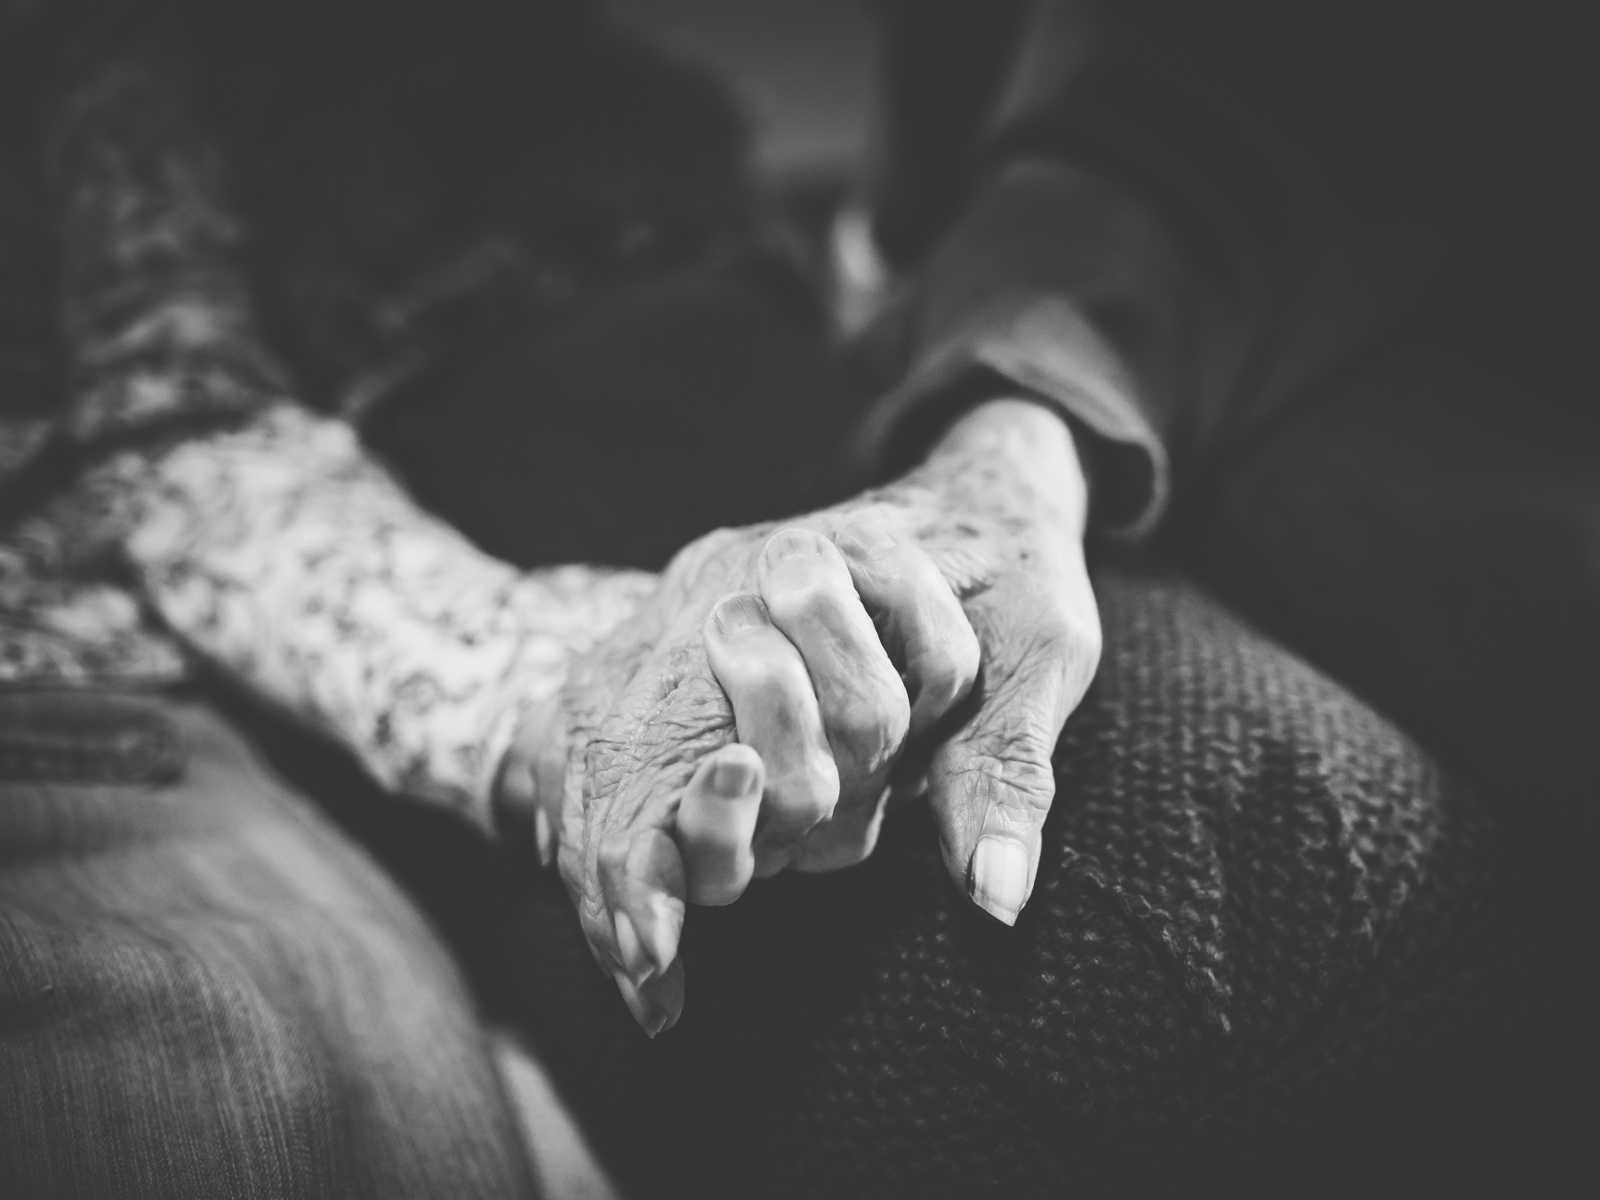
(1427, 527)
(205, 988)
(1252, 887)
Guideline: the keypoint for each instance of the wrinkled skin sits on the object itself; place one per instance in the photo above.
(835, 646)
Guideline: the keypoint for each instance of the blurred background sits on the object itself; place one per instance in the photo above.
(802, 67)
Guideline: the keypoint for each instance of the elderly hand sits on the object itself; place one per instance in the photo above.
(822, 645)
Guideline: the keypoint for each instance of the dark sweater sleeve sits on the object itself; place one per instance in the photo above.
(1119, 252)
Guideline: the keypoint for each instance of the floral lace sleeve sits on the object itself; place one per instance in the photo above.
(281, 552)
(259, 533)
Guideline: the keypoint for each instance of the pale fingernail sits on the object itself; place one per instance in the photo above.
(740, 613)
(630, 951)
(864, 542)
(788, 544)
(1000, 877)
(544, 837)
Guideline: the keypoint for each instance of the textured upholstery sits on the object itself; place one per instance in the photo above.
(1258, 905)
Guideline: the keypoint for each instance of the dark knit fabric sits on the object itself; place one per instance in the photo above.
(1261, 916)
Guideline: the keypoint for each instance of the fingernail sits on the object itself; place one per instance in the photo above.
(864, 541)
(789, 544)
(651, 1018)
(740, 613)
(1000, 877)
(630, 951)
(733, 778)
(669, 1020)
(666, 999)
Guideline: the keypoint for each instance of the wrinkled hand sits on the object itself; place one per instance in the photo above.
(993, 519)
(636, 774)
(822, 645)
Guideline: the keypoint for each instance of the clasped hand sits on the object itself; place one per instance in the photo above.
(750, 716)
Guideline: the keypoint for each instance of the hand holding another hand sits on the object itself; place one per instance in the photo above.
(826, 646)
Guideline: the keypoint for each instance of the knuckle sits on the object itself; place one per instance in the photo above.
(806, 796)
(946, 672)
(810, 812)
(782, 682)
(875, 727)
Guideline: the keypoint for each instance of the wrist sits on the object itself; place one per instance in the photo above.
(532, 736)
(1035, 444)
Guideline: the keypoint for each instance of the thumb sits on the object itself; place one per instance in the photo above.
(992, 783)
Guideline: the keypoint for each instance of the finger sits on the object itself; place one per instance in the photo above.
(776, 714)
(992, 784)
(923, 621)
(617, 855)
(642, 882)
(807, 588)
(846, 840)
(716, 824)
(622, 798)
(656, 1004)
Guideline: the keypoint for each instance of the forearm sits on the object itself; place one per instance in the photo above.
(261, 535)
(1030, 444)
(284, 556)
